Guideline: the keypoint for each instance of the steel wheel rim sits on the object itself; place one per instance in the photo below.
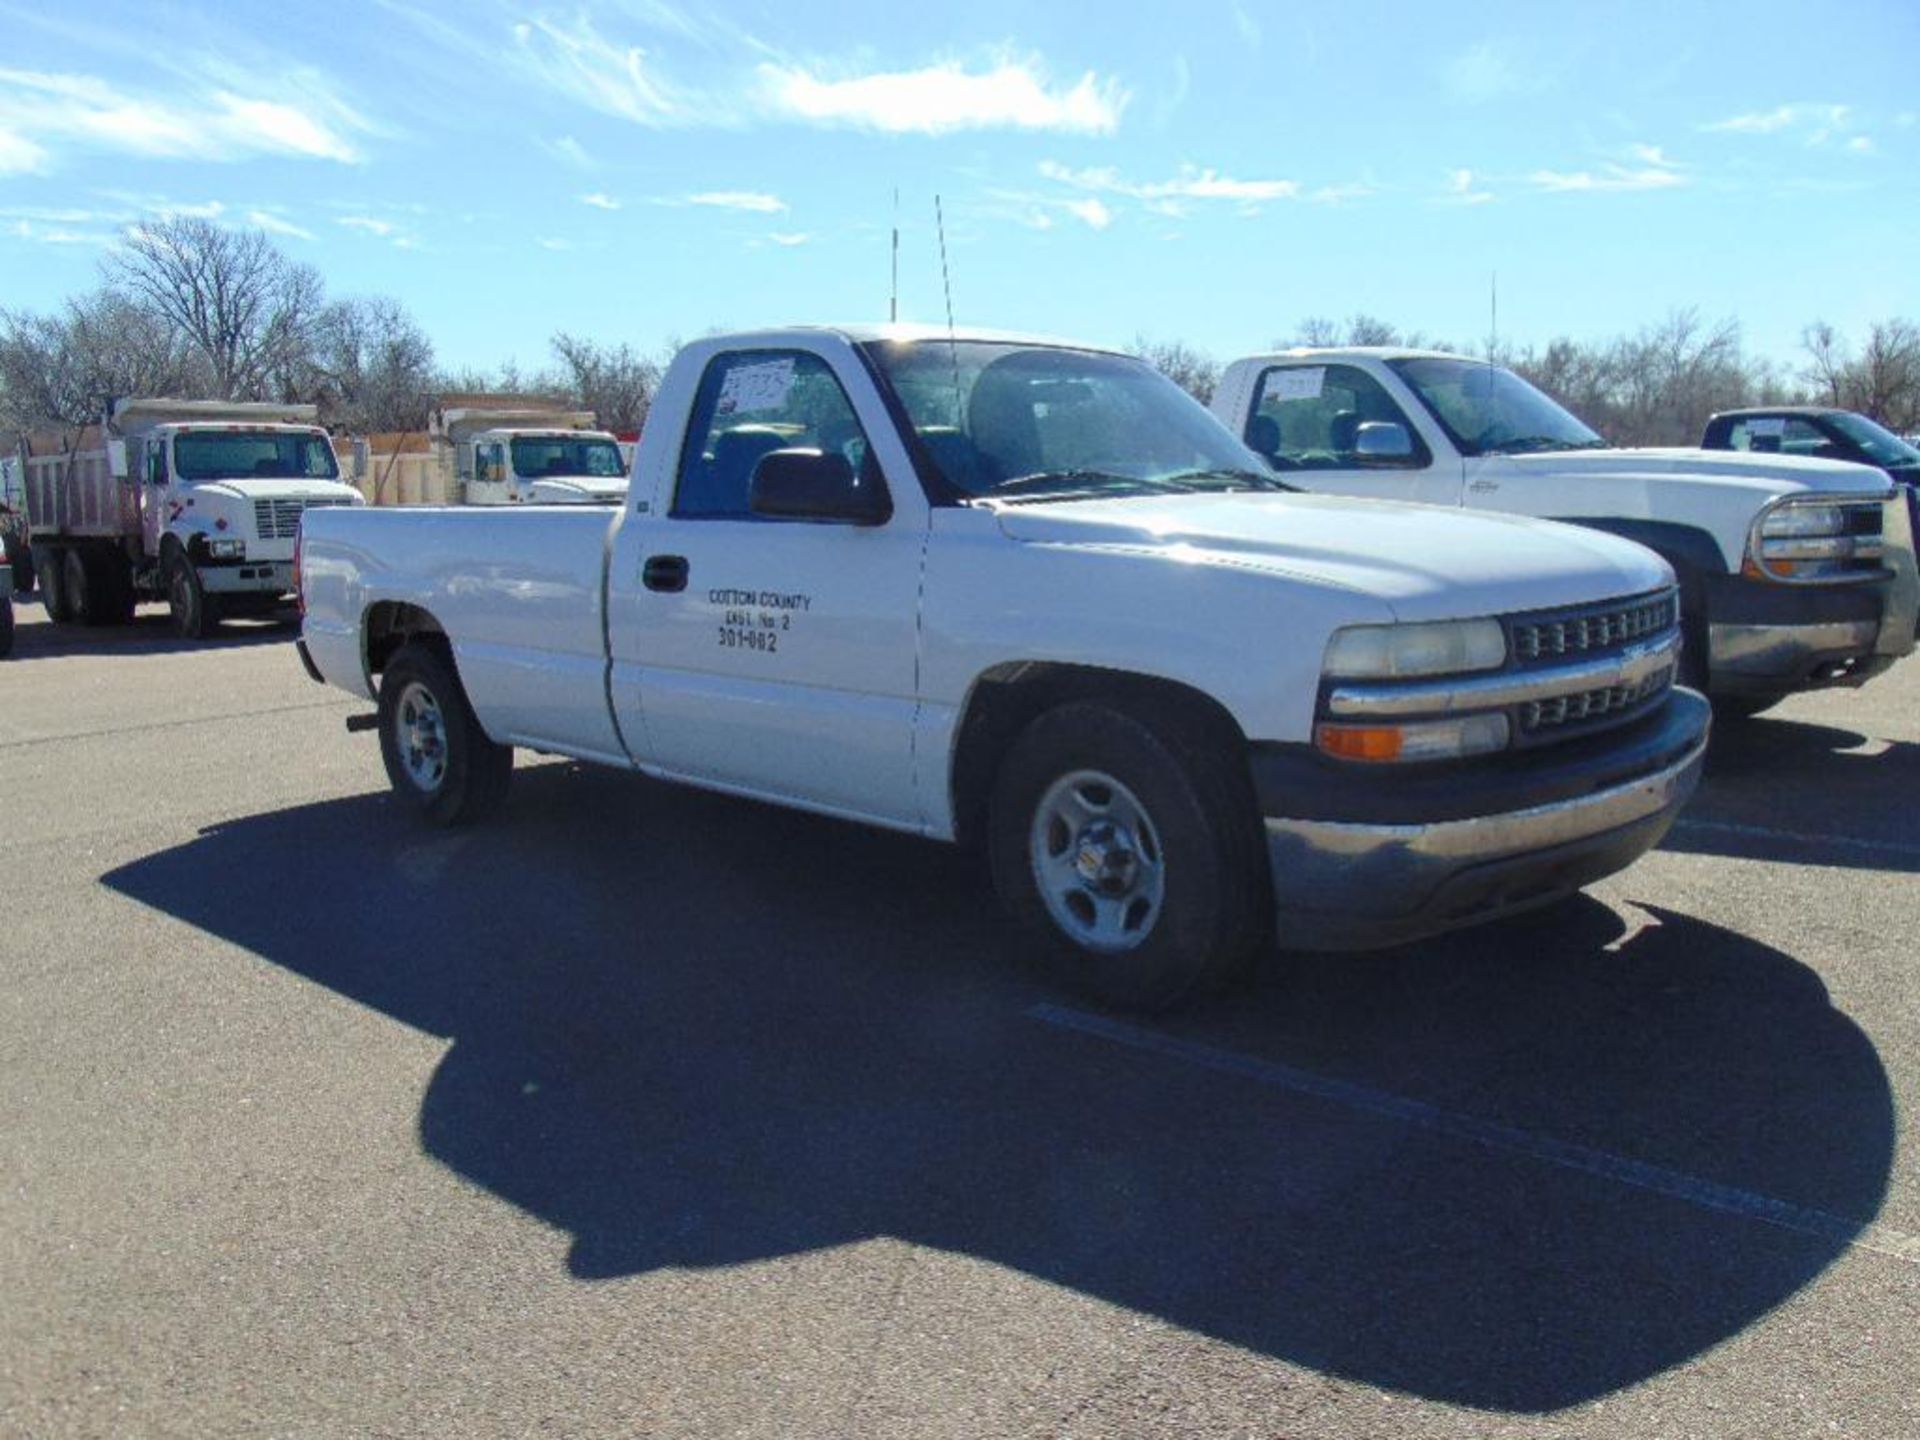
(1098, 862)
(420, 737)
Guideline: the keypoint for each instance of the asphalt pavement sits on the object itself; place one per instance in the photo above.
(640, 1111)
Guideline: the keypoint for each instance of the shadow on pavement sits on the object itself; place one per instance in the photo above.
(697, 1032)
(151, 633)
(1795, 792)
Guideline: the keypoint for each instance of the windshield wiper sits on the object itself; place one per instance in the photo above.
(1532, 444)
(1237, 479)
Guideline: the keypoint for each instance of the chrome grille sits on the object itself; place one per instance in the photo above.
(1585, 705)
(1580, 632)
(280, 519)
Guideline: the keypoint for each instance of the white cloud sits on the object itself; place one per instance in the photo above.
(385, 229)
(1861, 145)
(1652, 155)
(943, 98)
(569, 151)
(1461, 191)
(41, 234)
(1905, 120)
(751, 201)
(19, 155)
(1092, 211)
(1340, 194)
(1609, 177)
(41, 112)
(600, 201)
(1189, 184)
(1244, 24)
(276, 225)
(789, 238)
(1491, 71)
(1814, 124)
(573, 58)
(191, 209)
(548, 242)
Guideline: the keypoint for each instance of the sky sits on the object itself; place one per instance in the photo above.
(1211, 172)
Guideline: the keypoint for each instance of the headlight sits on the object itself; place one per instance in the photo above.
(1421, 740)
(227, 549)
(1389, 652)
(1815, 541)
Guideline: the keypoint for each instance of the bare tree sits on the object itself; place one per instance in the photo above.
(63, 369)
(1192, 370)
(241, 302)
(370, 366)
(614, 381)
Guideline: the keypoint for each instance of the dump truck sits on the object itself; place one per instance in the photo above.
(522, 450)
(194, 502)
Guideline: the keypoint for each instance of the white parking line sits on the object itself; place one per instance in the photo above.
(1797, 837)
(1821, 1225)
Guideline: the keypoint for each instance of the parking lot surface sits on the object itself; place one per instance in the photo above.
(639, 1111)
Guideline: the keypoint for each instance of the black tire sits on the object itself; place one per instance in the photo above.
(6, 626)
(77, 582)
(99, 587)
(1733, 709)
(438, 758)
(48, 563)
(196, 614)
(1175, 799)
(20, 556)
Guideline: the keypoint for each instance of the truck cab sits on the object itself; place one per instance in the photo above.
(546, 467)
(525, 450)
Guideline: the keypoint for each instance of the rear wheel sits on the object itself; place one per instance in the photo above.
(1125, 843)
(49, 564)
(20, 556)
(6, 626)
(437, 756)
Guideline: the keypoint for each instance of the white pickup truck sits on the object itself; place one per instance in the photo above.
(1794, 573)
(1030, 594)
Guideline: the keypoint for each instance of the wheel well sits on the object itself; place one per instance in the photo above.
(392, 623)
(1007, 698)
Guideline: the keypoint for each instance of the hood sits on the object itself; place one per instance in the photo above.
(1773, 475)
(288, 489)
(1428, 563)
(579, 490)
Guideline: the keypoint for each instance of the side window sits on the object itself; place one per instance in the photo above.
(1781, 435)
(156, 462)
(751, 403)
(489, 464)
(1308, 417)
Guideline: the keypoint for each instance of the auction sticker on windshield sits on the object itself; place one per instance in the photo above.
(1302, 384)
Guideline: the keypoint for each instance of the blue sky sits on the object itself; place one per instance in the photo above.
(1211, 171)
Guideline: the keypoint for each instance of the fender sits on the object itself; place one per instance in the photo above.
(1685, 547)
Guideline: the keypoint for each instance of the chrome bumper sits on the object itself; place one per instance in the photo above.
(1341, 886)
(1792, 657)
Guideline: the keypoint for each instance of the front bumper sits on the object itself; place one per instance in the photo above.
(1775, 659)
(235, 577)
(1343, 884)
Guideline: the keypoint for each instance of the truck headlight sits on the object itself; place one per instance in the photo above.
(1814, 541)
(1419, 740)
(227, 549)
(1389, 652)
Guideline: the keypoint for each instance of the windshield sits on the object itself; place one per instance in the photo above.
(537, 458)
(1881, 445)
(1012, 420)
(244, 454)
(1489, 411)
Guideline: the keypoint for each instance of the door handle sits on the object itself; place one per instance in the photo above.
(666, 573)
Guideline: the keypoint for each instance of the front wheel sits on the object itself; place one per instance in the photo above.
(437, 756)
(195, 613)
(1126, 844)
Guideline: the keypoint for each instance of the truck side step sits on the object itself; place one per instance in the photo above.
(364, 722)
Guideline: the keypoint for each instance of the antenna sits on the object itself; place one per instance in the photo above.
(1493, 321)
(893, 303)
(946, 283)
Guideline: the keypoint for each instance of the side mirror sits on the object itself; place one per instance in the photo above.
(815, 485)
(1382, 441)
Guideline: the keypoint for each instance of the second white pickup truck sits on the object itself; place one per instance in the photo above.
(1032, 595)
(1794, 573)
